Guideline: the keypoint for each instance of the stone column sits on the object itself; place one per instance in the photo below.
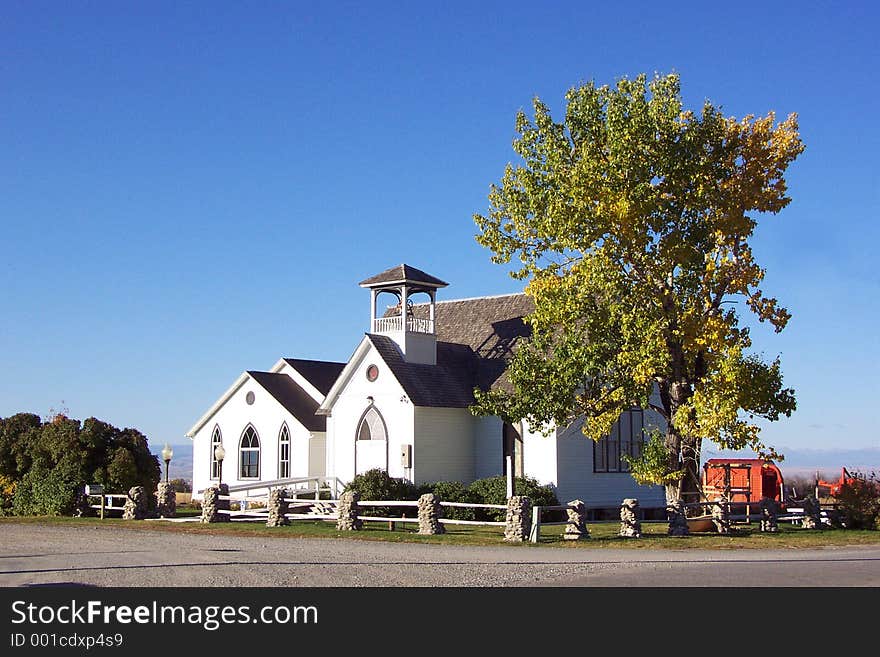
(167, 500)
(812, 514)
(576, 529)
(630, 525)
(519, 519)
(347, 512)
(769, 513)
(278, 508)
(212, 504)
(721, 515)
(137, 505)
(429, 515)
(678, 525)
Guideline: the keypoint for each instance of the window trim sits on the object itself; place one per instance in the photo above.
(357, 432)
(214, 468)
(242, 450)
(284, 431)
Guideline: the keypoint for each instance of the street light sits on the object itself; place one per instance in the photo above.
(167, 453)
(219, 454)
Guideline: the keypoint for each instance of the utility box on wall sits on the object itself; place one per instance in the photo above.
(406, 456)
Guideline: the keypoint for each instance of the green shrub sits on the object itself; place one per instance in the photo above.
(376, 484)
(493, 490)
(454, 491)
(859, 501)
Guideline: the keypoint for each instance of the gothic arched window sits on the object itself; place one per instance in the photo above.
(372, 426)
(215, 441)
(284, 452)
(249, 454)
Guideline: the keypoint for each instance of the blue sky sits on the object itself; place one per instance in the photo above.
(189, 190)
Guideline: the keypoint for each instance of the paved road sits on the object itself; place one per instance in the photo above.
(52, 554)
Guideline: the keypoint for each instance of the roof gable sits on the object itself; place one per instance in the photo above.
(292, 397)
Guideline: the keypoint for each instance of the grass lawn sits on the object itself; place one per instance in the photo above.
(603, 534)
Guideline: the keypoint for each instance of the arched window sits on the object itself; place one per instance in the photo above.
(372, 426)
(249, 454)
(284, 452)
(215, 464)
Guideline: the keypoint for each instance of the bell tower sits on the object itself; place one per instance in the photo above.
(409, 324)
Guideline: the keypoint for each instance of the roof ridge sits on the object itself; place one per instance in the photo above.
(490, 296)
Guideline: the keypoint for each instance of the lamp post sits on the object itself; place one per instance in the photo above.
(219, 454)
(167, 453)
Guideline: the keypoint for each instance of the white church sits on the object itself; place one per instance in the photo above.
(401, 403)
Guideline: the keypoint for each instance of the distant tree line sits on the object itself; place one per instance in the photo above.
(45, 465)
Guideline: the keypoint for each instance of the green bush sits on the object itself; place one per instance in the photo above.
(859, 501)
(454, 491)
(493, 490)
(376, 484)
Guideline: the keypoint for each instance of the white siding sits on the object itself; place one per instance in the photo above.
(539, 455)
(596, 489)
(318, 454)
(348, 408)
(487, 447)
(444, 445)
(266, 415)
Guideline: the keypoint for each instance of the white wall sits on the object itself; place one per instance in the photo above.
(539, 455)
(596, 489)
(444, 445)
(266, 415)
(488, 447)
(349, 407)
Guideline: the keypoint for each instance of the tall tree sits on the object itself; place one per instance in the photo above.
(631, 222)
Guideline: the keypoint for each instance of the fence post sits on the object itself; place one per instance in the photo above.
(769, 523)
(519, 518)
(678, 525)
(102, 506)
(535, 533)
(166, 500)
(630, 525)
(135, 507)
(277, 507)
(429, 515)
(721, 514)
(576, 529)
(347, 512)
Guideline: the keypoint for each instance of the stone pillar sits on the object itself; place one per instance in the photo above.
(769, 513)
(347, 512)
(721, 515)
(519, 519)
(137, 505)
(212, 504)
(167, 500)
(278, 508)
(576, 529)
(812, 514)
(630, 525)
(678, 524)
(429, 515)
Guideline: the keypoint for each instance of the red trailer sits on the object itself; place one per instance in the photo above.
(742, 480)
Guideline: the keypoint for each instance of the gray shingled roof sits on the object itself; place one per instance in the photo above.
(402, 273)
(320, 373)
(449, 384)
(476, 339)
(296, 400)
